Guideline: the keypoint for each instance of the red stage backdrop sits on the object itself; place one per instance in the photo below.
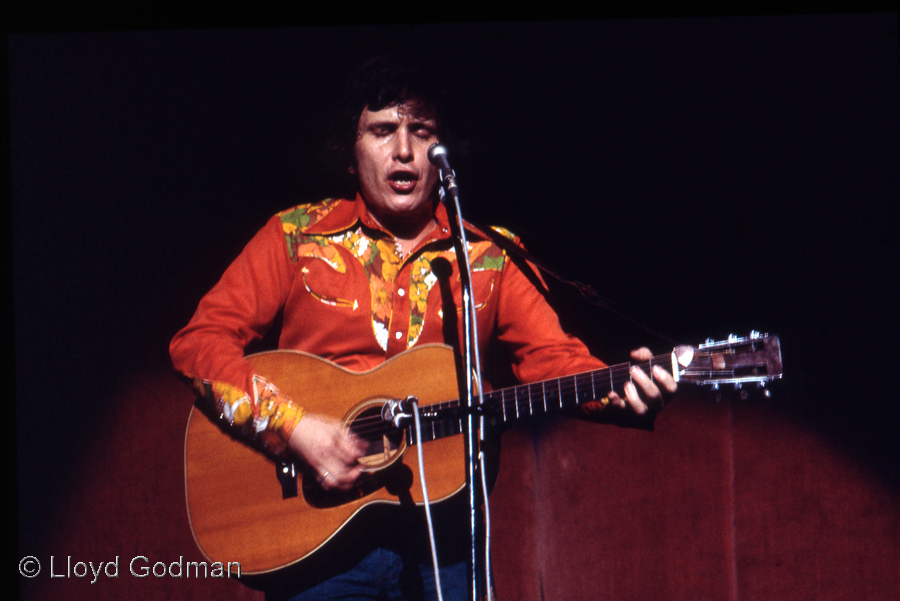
(728, 500)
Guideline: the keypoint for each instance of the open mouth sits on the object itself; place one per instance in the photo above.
(403, 181)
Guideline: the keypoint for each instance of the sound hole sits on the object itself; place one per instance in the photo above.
(385, 444)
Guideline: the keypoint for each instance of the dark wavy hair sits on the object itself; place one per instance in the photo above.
(378, 83)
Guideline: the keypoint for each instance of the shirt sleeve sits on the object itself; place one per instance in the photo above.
(209, 351)
(530, 329)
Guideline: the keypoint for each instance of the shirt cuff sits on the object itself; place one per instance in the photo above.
(269, 416)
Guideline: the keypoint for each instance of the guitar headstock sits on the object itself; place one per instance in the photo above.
(755, 359)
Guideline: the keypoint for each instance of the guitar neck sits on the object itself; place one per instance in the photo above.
(566, 392)
(755, 359)
(528, 400)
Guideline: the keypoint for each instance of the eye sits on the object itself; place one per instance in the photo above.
(423, 132)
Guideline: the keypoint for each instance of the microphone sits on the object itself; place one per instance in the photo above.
(437, 155)
(398, 412)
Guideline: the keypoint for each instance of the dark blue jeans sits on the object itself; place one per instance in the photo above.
(384, 556)
(383, 576)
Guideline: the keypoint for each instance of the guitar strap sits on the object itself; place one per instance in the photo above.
(587, 292)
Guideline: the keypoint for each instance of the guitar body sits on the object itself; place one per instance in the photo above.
(237, 506)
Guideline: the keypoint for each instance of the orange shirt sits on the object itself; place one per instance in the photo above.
(348, 295)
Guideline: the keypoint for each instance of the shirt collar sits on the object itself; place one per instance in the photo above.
(344, 214)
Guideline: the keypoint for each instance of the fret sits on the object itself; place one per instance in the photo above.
(537, 397)
(516, 398)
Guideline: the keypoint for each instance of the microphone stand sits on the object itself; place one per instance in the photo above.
(470, 358)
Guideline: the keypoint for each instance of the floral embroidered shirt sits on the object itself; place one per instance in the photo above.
(346, 293)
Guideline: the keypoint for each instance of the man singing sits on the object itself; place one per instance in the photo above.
(358, 281)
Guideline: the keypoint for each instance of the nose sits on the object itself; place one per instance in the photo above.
(403, 150)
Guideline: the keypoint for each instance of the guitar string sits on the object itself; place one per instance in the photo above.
(565, 386)
(561, 387)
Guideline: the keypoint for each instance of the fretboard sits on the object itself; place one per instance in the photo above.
(527, 400)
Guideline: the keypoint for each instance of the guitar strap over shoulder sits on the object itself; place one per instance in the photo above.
(586, 291)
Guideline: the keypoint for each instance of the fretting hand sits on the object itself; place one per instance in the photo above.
(644, 393)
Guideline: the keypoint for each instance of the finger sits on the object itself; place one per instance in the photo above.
(647, 385)
(356, 442)
(616, 400)
(331, 481)
(663, 378)
(341, 478)
(660, 376)
(641, 354)
(350, 478)
(349, 448)
(634, 399)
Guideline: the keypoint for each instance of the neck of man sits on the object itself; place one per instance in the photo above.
(408, 229)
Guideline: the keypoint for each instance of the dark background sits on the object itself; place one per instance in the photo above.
(712, 175)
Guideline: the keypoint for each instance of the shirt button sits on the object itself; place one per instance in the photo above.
(398, 335)
(401, 292)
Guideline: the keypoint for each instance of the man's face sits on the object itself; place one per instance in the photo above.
(396, 179)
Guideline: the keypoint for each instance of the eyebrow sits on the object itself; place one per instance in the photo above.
(412, 123)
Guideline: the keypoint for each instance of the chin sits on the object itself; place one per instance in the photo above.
(409, 205)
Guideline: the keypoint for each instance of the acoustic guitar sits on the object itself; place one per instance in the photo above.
(247, 507)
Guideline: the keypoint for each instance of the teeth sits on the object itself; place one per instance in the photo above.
(403, 177)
